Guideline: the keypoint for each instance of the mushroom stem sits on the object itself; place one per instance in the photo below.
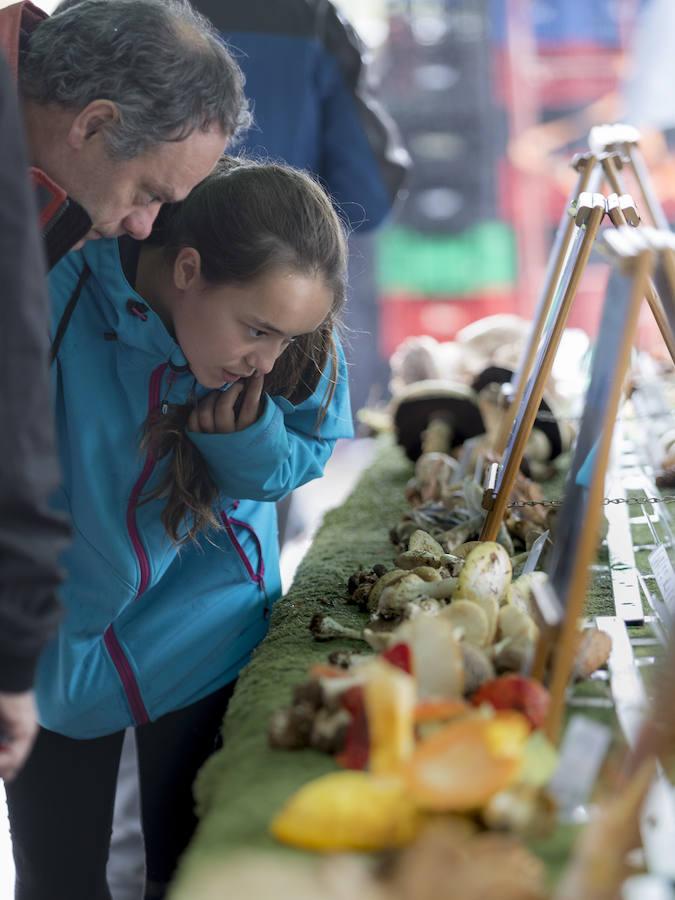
(394, 599)
(437, 436)
(325, 628)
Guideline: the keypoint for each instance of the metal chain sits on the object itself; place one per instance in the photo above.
(636, 501)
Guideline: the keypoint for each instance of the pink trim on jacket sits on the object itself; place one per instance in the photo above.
(120, 661)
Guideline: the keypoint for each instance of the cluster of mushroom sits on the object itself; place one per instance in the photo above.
(481, 619)
(455, 507)
(460, 384)
(463, 619)
(410, 745)
(491, 341)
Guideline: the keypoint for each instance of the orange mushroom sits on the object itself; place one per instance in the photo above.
(460, 767)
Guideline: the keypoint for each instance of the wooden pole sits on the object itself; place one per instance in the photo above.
(595, 214)
(585, 166)
(618, 218)
(566, 645)
(641, 174)
(667, 257)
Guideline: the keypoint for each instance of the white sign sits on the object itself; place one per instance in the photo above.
(582, 753)
(662, 569)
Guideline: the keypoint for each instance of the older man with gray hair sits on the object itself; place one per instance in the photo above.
(127, 104)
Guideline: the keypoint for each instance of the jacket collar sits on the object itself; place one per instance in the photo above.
(17, 23)
(128, 313)
(63, 221)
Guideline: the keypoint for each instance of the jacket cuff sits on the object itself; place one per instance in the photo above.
(257, 442)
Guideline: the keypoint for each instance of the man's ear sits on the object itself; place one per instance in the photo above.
(187, 268)
(90, 121)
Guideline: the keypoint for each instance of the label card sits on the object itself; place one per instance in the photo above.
(582, 753)
(535, 553)
(662, 568)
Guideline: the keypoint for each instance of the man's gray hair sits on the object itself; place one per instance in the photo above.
(162, 63)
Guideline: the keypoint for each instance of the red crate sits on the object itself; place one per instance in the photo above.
(404, 315)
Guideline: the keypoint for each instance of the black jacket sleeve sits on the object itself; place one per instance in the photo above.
(392, 159)
(31, 535)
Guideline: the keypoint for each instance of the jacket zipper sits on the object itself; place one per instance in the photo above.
(257, 576)
(126, 676)
(132, 527)
(120, 661)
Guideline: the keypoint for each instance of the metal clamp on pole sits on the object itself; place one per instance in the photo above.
(489, 485)
(622, 210)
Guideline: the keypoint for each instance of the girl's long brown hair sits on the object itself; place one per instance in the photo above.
(246, 219)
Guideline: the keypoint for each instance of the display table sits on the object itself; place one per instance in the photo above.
(243, 785)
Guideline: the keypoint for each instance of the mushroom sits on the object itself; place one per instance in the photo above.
(291, 728)
(389, 578)
(548, 439)
(427, 606)
(486, 571)
(524, 809)
(460, 534)
(514, 622)
(517, 633)
(437, 661)
(469, 619)
(594, 650)
(433, 473)
(483, 579)
(360, 583)
(325, 628)
(395, 598)
(462, 549)
(424, 542)
(477, 667)
(519, 592)
(389, 695)
(488, 336)
(424, 550)
(427, 573)
(329, 730)
(434, 416)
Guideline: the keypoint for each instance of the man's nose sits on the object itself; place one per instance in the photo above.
(138, 224)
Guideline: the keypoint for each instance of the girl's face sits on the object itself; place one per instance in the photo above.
(230, 331)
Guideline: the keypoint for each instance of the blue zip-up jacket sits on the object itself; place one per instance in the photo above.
(149, 629)
(312, 102)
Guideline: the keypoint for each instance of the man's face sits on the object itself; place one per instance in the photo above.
(124, 197)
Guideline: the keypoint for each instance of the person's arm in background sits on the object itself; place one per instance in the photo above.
(362, 156)
(313, 101)
(31, 536)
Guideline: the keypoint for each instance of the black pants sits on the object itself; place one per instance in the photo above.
(61, 803)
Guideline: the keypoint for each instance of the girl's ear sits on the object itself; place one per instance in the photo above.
(187, 268)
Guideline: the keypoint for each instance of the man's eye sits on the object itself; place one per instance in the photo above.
(256, 332)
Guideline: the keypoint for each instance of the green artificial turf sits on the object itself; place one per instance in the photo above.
(246, 783)
(243, 785)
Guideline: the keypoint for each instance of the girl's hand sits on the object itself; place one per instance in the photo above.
(223, 412)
